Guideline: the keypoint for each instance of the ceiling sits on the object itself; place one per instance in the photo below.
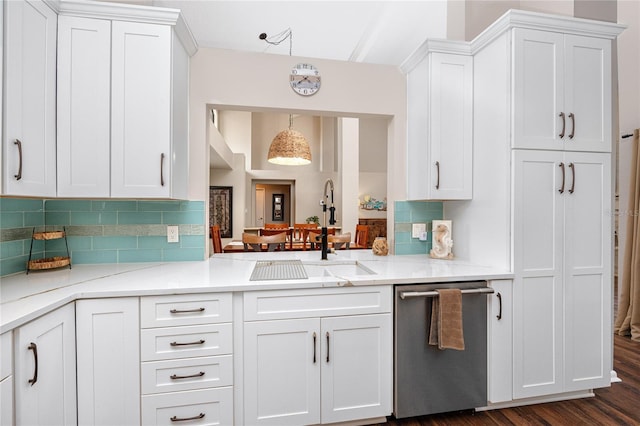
(375, 32)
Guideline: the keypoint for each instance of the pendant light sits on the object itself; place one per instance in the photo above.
(289, 148)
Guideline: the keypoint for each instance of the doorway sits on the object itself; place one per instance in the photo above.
(274, 202)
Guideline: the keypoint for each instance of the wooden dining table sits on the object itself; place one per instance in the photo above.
(237, 246)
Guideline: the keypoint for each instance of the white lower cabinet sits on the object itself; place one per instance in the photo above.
(6, 379)
(500, 345)
(186, 345)
(45, 369)
(322, 368)
(108, 359)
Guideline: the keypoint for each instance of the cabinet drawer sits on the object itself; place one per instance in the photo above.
(187, 374)
(6, 355)
(188, 309)
(266, 305)
(182, 342)
(209, 406)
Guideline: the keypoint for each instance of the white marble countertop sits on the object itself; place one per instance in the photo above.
(25, 297)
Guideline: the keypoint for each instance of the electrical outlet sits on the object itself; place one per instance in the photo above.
(417, 229)
(172, 234)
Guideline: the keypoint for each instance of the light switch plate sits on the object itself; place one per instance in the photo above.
(417, 229)
(172, 234)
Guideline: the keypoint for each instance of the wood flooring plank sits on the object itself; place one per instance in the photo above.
(615, 405)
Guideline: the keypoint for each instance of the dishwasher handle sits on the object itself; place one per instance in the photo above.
(433, 293)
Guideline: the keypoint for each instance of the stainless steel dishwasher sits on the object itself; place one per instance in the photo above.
(429, 380)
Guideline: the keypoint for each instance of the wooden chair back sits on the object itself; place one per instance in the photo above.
(340, 241)
(216, 239)
(275, 231)
(254, 242)
(298, 232)
(314, 237)
(362, 235)
(276, 226)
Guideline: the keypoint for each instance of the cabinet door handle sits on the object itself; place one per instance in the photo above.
(176, 377)
(573, 125)
(161, 169)
(327, 346)
(437, 175)
(19, 144)
(185, 311)
(33, 347)
(561, 190)
(315, 336)
(573, 178)
(499, 296)
(199, 342)
(185, 419)
(563, 125)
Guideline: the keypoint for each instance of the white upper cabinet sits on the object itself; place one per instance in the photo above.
(141, 110)
(122, 103)
(29, 143)
(84, 92)
(440, 127)
(562, 91)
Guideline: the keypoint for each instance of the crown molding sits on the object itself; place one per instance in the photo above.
(546, 22)
(435, 45)
(129, 12)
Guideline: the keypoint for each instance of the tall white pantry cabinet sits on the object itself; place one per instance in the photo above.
(542, 197)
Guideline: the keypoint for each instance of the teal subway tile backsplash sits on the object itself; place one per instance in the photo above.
(408, 212)
(101, 231)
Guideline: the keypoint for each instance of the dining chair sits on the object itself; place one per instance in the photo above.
(340, 241)
(362, 235)
(299, 236)
(275, 231)
(276, 226)
(216, 239)
(314, 236)
(254, 242)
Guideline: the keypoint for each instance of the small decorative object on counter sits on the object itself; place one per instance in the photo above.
(380, 246)
(48, 262)
(441, 241)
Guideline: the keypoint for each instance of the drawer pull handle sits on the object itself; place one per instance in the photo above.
(161, 169)
(176, 377)
(199, 342)
(573, 180)
(563, 125)
(561, 190)
(184, 419)
(499, 316)
(33, 347)
(314, 346)
(186, 311)
(437, 175)
(573, 125)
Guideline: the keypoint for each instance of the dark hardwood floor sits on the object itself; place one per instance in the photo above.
(616, 405)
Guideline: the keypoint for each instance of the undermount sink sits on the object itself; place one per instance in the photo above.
(339, 268)
(295, 269)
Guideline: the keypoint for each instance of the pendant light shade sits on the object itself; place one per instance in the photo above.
(289, 148)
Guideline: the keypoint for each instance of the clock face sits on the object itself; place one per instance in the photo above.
(305, 79)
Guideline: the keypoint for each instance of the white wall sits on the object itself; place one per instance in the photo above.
(629, 105)
(260, 82)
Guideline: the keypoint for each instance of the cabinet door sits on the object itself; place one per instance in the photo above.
(29, 148)
(108, 361)
(587, 84)
(537, 291)
(451, 127)
(140, 110)
(356, 367)
(500, 329)
(587, 272)
(84, 93)
(45, 390)
(439, 128)
(538, 89)
(282, 372)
